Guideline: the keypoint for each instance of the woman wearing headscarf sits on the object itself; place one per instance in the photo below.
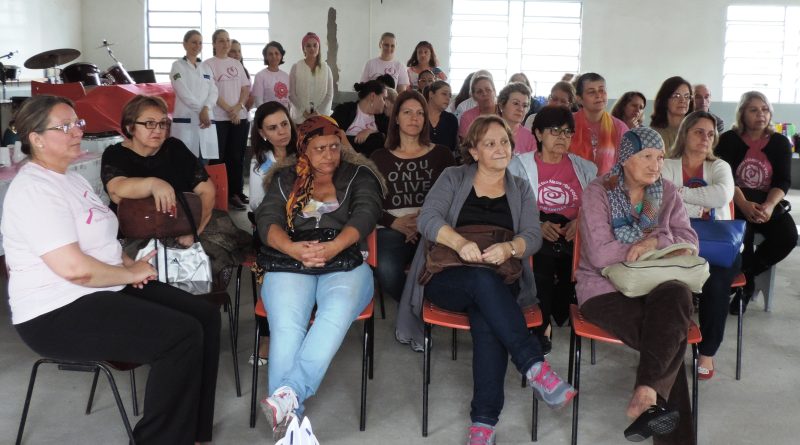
(626, 213)
(327, 186)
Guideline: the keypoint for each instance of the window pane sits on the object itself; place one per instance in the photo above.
(166, 19)
(756, 13)
(243, 5)
(173, 50)
(478, 45)
(496, 7)
(167, 34)
(250, 35)
(161, 65)
(173, 5)
(552, 9)
(242, 20)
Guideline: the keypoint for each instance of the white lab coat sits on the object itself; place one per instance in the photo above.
(194, 89)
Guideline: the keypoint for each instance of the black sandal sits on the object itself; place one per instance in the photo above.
(655, 421)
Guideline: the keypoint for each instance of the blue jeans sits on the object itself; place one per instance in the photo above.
(299, 355)
(713, 306)
(497, 327)
(394, 255)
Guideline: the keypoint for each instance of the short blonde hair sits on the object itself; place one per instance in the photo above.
(477, 130)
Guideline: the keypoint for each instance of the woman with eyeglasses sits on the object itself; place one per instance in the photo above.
(74, 294)
(558, 179)
(148, 163)
(562, 94)
(513, 103)
(673, 102)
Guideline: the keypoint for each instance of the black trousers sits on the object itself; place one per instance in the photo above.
(232, 140)
(780, 237)
(554, 287)
(714, 302)
(174, 332)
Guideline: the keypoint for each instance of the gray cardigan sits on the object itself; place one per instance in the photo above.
(442, 207)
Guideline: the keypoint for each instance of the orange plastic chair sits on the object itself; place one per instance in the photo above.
(435, 316)
(367, 343)
(219, 176)
(581, 328)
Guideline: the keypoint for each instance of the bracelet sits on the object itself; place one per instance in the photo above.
(513, 250)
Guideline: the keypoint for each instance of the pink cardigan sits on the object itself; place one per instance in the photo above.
(599, 248)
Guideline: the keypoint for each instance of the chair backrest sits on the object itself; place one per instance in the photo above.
(372, 248)
(139, 219)
(219, 176)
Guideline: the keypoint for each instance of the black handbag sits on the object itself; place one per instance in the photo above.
(560, 248)
(273, 260)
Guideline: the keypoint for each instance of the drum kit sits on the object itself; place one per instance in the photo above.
(86, 73)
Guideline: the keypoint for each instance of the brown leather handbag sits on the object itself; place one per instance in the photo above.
(440, 257)
(139, 219)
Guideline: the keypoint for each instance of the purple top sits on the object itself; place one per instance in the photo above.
(599, 248)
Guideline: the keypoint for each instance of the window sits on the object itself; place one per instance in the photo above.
(539, 38)
(168, 20)
(762, 52)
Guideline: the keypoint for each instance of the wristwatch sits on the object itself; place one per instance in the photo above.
(513, 250)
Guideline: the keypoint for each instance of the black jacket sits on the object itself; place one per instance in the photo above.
(732, 149)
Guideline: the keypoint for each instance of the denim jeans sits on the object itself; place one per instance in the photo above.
(394, 255)
(497, 327)
(299, 355)
(713, 306)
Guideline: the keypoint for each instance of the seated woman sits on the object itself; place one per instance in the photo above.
(629, 108)
(481, 192)
(558, 179)
(325, 186)
(562, 94)
(705, 183)
(463, 100)
(274, 138)
(411, 163)
(148, 163)
(483, 92)
(363, 121)
(760, 160)
(75, 295)
(513, 103)
(673, 102)
(626, 213)
(597, 132)
(443, 124)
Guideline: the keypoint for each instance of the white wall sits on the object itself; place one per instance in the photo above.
(35, 26)
(121, 22)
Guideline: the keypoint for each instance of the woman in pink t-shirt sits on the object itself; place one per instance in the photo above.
(760, 160)
(271, 83)
(482, 89)
(513, 102)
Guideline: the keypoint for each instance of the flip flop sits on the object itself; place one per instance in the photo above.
(655, 421)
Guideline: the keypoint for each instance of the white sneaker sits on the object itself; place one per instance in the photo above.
(261, 361)
(279, 405)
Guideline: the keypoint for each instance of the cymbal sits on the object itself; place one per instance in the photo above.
(52, 58)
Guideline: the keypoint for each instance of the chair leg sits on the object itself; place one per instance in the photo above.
(695, 398)
(254, 385)
(740, 296)
(594, 358)
(426, 377)
(383, 307)
(28, 400)
(91, 391)
(577, 384)
(571, 369)
(534, 419)
(118, 399)
(236, 297)
(454, 347)
(364, 371)
(232, 327)
(135, 401)
(371, 354)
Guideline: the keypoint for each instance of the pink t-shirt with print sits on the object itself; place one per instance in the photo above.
(523, 140)
(755, 171)
(559, 188)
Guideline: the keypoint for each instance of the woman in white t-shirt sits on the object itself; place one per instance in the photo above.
(271, 83)
(385, 64)
(74, 294)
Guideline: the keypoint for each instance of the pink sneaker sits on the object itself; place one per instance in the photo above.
(548, 386)
(279, 407)
(481, 434)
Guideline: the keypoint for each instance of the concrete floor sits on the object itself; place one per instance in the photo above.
(761, 408)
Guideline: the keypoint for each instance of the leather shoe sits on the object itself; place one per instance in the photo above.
(235, 203)
(654, 421)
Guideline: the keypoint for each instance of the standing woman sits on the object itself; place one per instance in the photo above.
(195, 97)
(444, 125)
(230, 114)
(760, 160)
(411, 163)
(513, 103)
(271, 83)
(707, 183)
(483, 92)
(310, 82)
(629, 108)
(74, 294)
(385, 64)
(674, 101)
(236, 53)
(423, 59)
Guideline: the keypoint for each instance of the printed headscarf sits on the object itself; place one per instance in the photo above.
(303, 186)
(628, 229)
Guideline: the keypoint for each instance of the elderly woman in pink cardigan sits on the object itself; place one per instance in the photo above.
(630, 211)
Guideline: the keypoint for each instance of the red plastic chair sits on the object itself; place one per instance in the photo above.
(581, 328)
(435, 316)
(219, 176)
(367, 343)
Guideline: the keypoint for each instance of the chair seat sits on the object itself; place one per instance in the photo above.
(739, 281)
(458, 320)
(586, 329)
(365, 314)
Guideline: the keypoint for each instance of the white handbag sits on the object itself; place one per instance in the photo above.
(638, 278)
(299, 434)
(176, 265)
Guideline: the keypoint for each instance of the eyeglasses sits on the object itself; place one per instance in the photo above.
(678, 96)
(516, 103)
(79, 124)
(151, 125)
(558, 131)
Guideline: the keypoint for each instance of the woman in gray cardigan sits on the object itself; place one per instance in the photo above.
(481, 192)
